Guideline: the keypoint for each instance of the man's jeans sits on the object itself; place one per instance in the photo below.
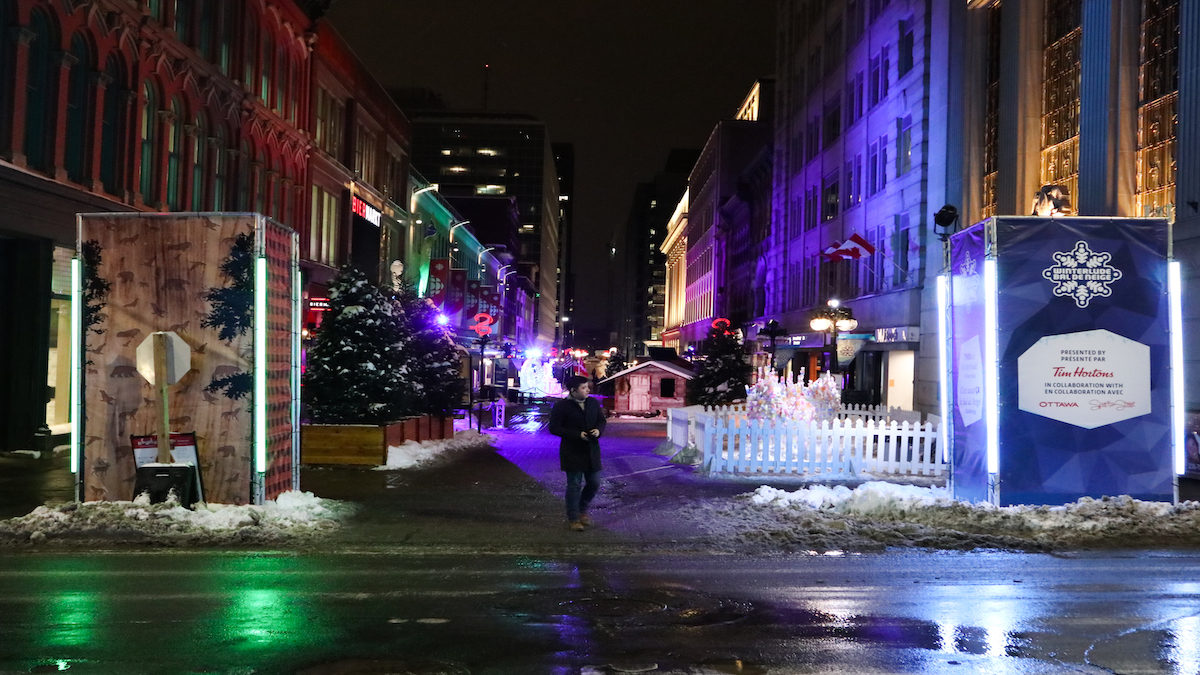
(581, 488)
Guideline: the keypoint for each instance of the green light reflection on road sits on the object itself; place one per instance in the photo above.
(72, 613)
(270, 607)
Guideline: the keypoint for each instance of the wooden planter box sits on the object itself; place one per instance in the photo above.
(367, 444)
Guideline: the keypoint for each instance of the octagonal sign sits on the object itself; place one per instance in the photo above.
(1087, 379)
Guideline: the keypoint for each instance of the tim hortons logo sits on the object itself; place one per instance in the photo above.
(1082, 274)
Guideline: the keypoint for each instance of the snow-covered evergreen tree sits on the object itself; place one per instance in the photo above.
(430, 356)
(356, 370)
(723, 374)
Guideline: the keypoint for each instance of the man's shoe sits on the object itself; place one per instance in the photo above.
(585, 519)
(576, 526)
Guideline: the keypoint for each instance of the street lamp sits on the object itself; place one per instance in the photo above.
(482, 251)
(833, 318)
(773, 330)
(455, 226)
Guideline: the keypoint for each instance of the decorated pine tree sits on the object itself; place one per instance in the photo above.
(430, 356)
(355, 370)
(723, 373)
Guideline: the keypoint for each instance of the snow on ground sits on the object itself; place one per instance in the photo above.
(878, 515)
(413, 454)
(293, 517)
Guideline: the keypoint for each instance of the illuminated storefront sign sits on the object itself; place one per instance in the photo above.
(365, 210)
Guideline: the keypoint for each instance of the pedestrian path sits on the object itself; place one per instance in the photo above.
(642, 494)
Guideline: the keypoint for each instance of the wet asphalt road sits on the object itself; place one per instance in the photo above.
(466, 567)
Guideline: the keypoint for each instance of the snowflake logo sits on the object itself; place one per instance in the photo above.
(1082, 274)
(967, 268)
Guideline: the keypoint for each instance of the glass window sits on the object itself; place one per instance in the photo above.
(174, 134)
(199, 162)
(79, 98)
(183, 21)
(112, 129)
(225, 34)
(281, 78)
(39, 90)
(904, 49)
(904, 133)
(249, 53)
(260, 184)
(266, 67)
(323, 229)
(220, 169)
(830, 197)
(243, 176)
(149, 169)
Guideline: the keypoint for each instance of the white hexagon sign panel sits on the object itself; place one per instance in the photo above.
(1086, 379)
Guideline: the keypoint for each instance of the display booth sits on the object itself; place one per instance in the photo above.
(225, 288)
(1062, 355)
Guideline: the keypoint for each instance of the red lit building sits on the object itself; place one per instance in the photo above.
(176, 105)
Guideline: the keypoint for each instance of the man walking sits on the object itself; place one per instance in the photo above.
(578, 421)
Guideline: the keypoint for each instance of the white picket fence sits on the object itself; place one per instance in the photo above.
(860, 441)
(834, 448)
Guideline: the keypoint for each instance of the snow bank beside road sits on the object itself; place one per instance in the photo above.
(292, 517)
(878, 515)
(413, 453)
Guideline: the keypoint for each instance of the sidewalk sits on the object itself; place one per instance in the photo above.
(506, 498)
(27, 482)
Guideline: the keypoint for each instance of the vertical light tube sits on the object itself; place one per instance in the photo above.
(991, 363)
(296, 328)
(260, 364)
(1175, 308)
(943, 310)
(76, 361)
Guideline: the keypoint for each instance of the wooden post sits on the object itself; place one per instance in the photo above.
(160, 381)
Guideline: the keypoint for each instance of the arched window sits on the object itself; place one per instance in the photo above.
(112, 126)
(243, 177)
(199, 162)
(40, 88)
(79, 110)
(220, 168)
(174, 132)
(149, 168)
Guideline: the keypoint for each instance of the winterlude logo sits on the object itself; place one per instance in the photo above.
(1082, 274)
(967, 268)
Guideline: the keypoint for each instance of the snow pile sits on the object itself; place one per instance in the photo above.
(294, 516)
(878, 515)
(412, 453)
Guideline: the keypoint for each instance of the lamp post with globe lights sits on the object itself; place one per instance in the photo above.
(833, 318)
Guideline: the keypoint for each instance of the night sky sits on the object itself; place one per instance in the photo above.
(624, 80)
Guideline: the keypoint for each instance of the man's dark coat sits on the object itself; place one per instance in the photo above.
(567, 421)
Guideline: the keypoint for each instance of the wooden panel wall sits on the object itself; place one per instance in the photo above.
(161, 268)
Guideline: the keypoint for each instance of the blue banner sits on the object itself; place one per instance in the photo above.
(969, 435)
(1084, 372)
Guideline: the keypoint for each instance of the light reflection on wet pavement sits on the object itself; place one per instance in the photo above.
(432, 585)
